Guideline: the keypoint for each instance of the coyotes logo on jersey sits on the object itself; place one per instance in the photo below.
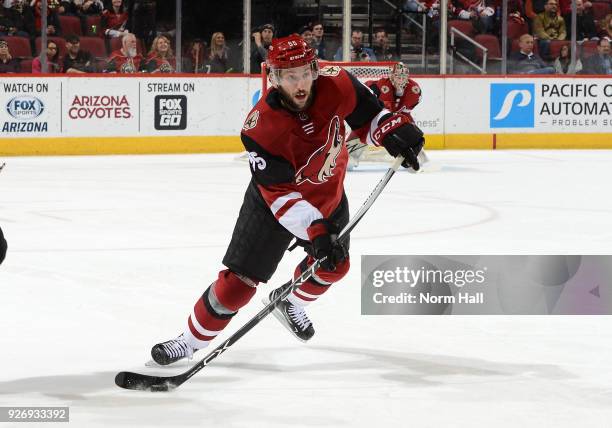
(320, 165)
(251, 121)
(330, 70)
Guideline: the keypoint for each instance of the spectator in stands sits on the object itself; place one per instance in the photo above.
(516, 11)
(114, 20)
(306, 33)
(319, 43)
(53, 60)
(53, 23)
(480, 12)
(534, 7)
(606, 27)
(381, 47)
(358, 51)
(563, 63)
(585, 24)
(160, 58)
(565, 10)
(548, 26)
(77, 60)
(413, 6)
(127, 59)
(525, 61)
(193, 60)
(8, 64)
(20, 18)
(600, 62)
(5, 22)
(263, 39)
(141, 19)
(81, 7)
(219, 56)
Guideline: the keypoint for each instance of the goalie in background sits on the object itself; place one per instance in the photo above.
(399, 94)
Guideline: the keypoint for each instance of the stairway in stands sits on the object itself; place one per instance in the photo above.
(368, 15)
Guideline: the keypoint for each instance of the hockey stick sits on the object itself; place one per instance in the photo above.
(131, 380)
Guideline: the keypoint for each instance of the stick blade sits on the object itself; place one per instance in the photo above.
(142, 382)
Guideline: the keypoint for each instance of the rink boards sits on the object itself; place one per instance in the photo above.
(101, 114)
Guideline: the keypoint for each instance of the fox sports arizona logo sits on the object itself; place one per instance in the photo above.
(512, 105)
(25, 107)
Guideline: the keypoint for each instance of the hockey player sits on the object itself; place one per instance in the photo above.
(297, 156)
(399, 94)
(3, 247)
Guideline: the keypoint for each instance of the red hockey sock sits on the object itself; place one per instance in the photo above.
(312, 289)
(206, 322)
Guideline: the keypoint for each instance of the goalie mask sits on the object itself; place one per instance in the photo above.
(399, 77)
(290, 52)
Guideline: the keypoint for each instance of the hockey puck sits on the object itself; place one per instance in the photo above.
(159, 387)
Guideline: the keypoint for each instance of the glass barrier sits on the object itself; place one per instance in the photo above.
(191, 36)
(561, 37)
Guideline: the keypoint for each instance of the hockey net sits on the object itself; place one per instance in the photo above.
(363, 71)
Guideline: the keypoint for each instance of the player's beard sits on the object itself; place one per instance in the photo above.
(290, 104)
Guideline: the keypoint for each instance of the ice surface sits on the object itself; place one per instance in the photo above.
(108, 254)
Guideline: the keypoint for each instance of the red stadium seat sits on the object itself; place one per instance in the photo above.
(94, 27)
(19, 47)
(115, 43)
(588, 48)
(555, 47)
(490, 42)
(70, 25)
(600, 10)
(516, 30)
(465, 27)
(94, 45)
(60, 42)
(26, 65)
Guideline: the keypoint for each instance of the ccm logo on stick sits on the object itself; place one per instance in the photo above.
(170, 112)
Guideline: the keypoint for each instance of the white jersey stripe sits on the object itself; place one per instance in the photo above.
(280, 202)
(299, 217)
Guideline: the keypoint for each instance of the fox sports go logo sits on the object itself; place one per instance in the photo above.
(25, 107)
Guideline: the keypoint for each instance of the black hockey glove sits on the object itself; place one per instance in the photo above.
(400, 136)
(323, 235)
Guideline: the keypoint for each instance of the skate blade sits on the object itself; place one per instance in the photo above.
(280, 317)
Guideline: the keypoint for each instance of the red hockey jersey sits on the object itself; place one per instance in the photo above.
(298, 159)
(384, 90)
